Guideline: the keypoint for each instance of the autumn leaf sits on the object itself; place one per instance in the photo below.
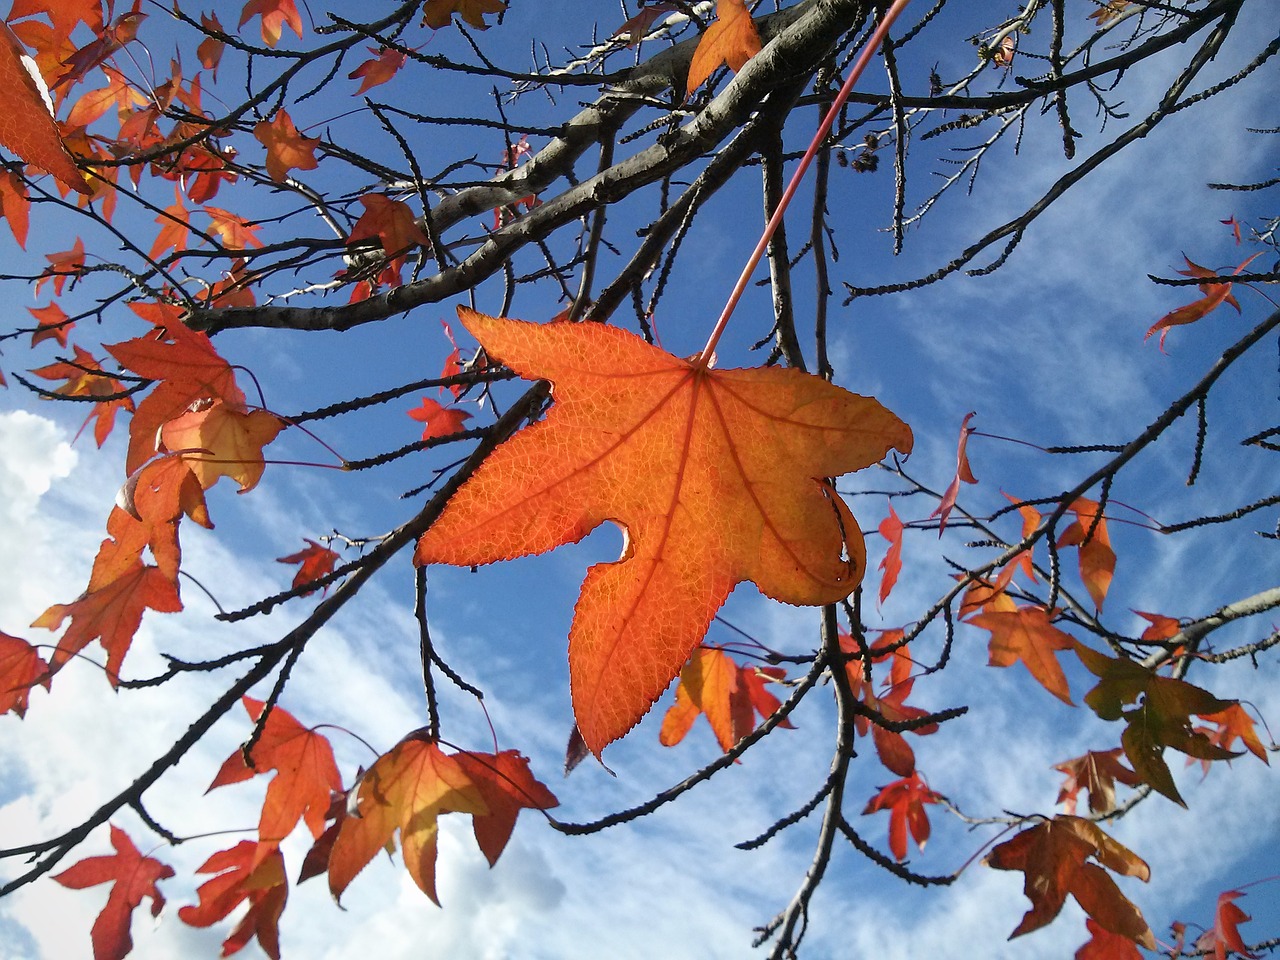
(156, 498)
(275, 14)
(1097, 559)
(1232, 724)
(1215, 295)
(111, 614)
(1054, 856)
(248, 871)
(1095, 772)
(385, 65)
(905, 800)
(1162, 719)
(15, 205)
(123, 30)
(63, 266)
(235, 232)
(1224, 937)
(287, 149)
(174, 229)
(306, 774)
(218, 440)
(1109, 11)
(438, 13)
(639, 25)
(65, 15)
(21, 668)
(1026, 634)
(716, 476)
(390, 222)
(727, 694)
(891, 529)
(406, 789)
(438, 421)
(27, 125)
(1105, 945)
(963, 474)
(1161, 627)
(317, 561)
(209, 52)
(731, 40)
(133, 878)
(53, 324)
(507, 786)
(891, 746)
(85, 379)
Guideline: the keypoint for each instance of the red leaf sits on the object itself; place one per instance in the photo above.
(963, 473)
(317, 562)
(891, 529)
(133, 877)
(1215, 294)
(20, 669)
(275, 15)
(248, 871)
(905, 800)
(287, 149)
(54, 324)
(727, 694)
(391, 222)
(1105, 945)
(27, 126)
(438, 421)
(1225, 935)
(385, 64)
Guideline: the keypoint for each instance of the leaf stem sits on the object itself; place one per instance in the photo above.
(868, 51)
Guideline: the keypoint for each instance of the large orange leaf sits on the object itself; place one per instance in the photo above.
(391, 222)
(275, 15)
(219, 440)
(27, 126)
(306, 775)
(406, 789)
(287, 149)
(1026, 634)
(1054, 857)
(732, 39)
(133, 877)
(716, 477)
(248, 871)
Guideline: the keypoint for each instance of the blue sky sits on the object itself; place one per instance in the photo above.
(1049, 349)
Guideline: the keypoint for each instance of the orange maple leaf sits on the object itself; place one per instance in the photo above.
(1232, 724)
(716, 476)
(123, 30)
(53, 324)
(275, 15)
(21, 668)
(1026, 634)
(727, 694)
(317, 561)
(287, 149)
(905, 800)
(639, 25)
(891, 529)
(1096, 772)
(963, 473)
(438, 13)
(306, 775)
(1105, 945)
(63, 266)
(1097, 559)
(209, 52)
(406, 789)
(1054, 857)
(15, 205)
(133, 878)
(1109, 11)
(85, 379)
(235, 232)
(27, 126)
(64, 14)
(732, 39)
(110, 611)
(1215, 295)
(1225, 938)
(507, 786)
(248, 871)
(891, 746)
(438, 421)
(391, 222)
(174, 228)
(1162, 627)
(219, 440)
(155, 499)
(385, 64)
